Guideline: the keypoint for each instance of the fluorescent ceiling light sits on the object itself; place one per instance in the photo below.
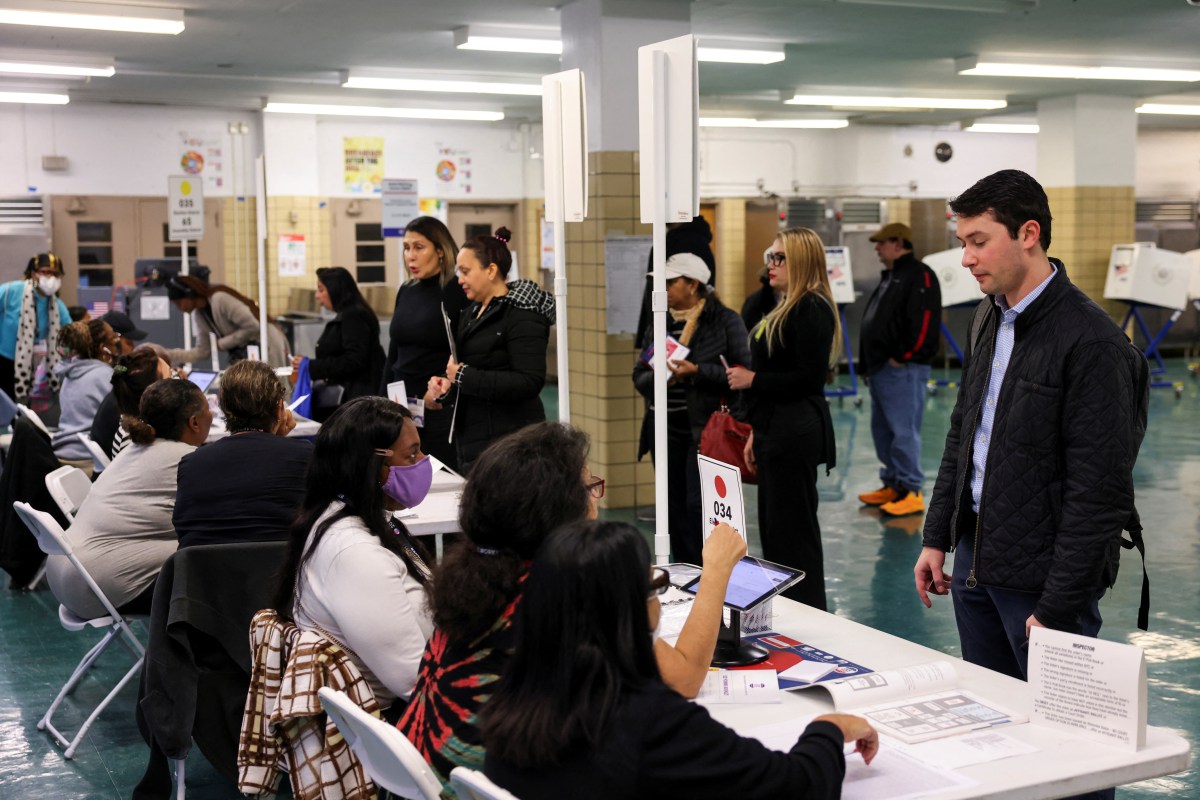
(738, 55)
(1077, 72)
(1167, 108)
(1002, 127)
(432, 85)
(384, 111)
(982, 6)
(34, 97)
(852, 101)
(57, 70)
(746, 122)
(92, 16)
(495, 40)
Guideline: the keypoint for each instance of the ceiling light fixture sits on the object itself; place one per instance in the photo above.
(500, 40)
(92, 16)
(724, 53)
(852, 101)
(20, 67)
(330, 109)
(1006, 69)
(359, 81)
(1002, 127)
(981, 6)
(1168, 108)
(37, 98)
(747, 122)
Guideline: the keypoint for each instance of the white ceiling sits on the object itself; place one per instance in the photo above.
(235, 53)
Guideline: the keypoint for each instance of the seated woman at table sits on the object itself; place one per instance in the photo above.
(244, 487)
(123, 530)
(477, 588)
(582, 703)
(353, 574)
(132, 375)
(87, 349)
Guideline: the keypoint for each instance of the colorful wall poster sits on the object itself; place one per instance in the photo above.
(363, 164)
(202, 154)
(453, 169)
(292, 255)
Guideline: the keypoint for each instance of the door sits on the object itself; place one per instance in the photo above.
(762, 226)
(97, 239)
(357, 243)
(468, 220)
(153, 242)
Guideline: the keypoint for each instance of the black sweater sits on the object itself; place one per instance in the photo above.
(658, 745)
(349, 353)
(418, 349)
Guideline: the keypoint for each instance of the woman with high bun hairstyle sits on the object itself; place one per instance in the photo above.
(123, 531)
(499, 369)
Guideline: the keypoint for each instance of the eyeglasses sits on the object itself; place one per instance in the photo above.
(48, 272)
(596, 487)
(660, 581)
(774, 259)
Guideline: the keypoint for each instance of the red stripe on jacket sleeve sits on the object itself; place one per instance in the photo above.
(921, 337)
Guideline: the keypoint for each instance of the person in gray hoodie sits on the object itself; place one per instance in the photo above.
(86, 373)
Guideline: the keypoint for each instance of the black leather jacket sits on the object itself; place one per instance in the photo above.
(1058, 488)
(906, 324)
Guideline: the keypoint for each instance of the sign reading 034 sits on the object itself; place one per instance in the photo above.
(185, 208)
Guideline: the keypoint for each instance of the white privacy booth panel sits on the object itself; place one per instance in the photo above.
(958, 285)
(1142, 273)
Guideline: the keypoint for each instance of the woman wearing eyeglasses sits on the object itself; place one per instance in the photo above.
(521, 488)
(792, 350)
(582, 704)
(31, 314)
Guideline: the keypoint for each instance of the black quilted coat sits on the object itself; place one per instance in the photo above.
(1058, 489)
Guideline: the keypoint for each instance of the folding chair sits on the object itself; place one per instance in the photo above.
(68, 486)
(52, 541)
(387, 756)
(470, 784)
(100, 459)
(31, 415)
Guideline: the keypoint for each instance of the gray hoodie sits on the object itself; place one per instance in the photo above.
(85, 382)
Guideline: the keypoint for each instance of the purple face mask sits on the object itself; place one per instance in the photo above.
(409, 485)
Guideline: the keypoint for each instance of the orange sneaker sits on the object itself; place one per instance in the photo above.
(911, 503)
(880, 496)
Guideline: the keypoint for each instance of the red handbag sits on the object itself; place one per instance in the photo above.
(724, 439)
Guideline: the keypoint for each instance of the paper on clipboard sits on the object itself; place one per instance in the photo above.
(449, 333)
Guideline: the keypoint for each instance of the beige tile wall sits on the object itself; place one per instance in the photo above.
(240, 253)
(731, 251)
(312, 221)
(1087, 222)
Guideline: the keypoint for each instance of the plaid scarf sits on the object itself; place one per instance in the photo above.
(24, 367)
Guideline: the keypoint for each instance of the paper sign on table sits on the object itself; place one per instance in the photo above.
(1088, 687)
(739, 686)
(721, 498)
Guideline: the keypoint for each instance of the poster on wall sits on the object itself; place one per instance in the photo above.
(547, 228)
(201, 154)
(625, 260)
(453, 169)
(292, 255)
(363, 164)
(437, 209)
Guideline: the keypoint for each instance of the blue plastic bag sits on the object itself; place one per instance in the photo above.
(303, 387)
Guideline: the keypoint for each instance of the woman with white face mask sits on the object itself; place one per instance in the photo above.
(30, 316)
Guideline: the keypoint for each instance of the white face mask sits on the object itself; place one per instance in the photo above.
(49, 284)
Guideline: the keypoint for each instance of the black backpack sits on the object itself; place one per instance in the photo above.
(983, 312)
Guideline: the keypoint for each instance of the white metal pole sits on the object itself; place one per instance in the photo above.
(560, 259)
(662, 537)
(187, 318)
(260, 185)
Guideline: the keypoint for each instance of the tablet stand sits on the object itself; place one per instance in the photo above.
(732, 650)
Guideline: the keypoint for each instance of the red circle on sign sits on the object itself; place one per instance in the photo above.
(720, 486)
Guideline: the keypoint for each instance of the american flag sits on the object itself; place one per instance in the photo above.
(98, 308)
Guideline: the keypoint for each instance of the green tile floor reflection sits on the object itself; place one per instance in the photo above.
(869, 568)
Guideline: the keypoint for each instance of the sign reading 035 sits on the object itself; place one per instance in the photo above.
(185, 208)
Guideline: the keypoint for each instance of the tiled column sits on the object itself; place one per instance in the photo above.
(1087, 146)
(731, 252)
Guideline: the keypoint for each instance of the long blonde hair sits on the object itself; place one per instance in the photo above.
(806, 271)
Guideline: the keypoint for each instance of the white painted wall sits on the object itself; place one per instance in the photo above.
(1168, 164)
(1087, 140)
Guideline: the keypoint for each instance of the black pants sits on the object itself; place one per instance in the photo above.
(8, 377)
(683, 491)
(786, 452)
(434, 437)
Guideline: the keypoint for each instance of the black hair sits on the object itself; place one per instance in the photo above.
(164, 410)
(180, 287)
(250, 396)
(1013, 197)
(43, 260)
(519, 489)
(344, 294)
(345, 466)
(492, 248)
(77, 313)
(133, 373)
(439, 236)
(582, 635)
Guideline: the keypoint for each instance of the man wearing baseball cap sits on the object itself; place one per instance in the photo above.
(128, 334)
(898, 340)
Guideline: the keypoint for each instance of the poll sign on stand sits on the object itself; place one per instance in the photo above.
(185, 223)
(721, 496)
(400, 205)
(668, 126)
(841, 280)
(564, 151)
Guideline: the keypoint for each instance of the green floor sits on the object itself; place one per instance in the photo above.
(868, 561)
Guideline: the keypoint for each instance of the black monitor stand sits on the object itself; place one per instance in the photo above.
(732, 650)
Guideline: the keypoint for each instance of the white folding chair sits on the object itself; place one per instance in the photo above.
(387, 756)
(471, 784)
(68, 486)
(100, 459)
(32, 416)
(52, 541)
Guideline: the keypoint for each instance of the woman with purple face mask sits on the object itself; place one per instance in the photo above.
(353, 574)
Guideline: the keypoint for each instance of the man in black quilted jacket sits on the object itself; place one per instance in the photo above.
(1036, 482)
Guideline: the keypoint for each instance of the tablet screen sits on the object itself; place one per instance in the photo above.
(202, 379)
(754, 581)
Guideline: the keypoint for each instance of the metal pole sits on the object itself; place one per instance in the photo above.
(187, 318)
(662, 538)
(260, 185)
(560, 260)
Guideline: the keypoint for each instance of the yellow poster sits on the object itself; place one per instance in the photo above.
(363, 158)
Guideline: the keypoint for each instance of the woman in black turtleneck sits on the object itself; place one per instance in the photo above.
(419, 348)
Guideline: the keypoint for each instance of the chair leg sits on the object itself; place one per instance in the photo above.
(37, 578)
(180, 765)
(134, 670)
(74, 680)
